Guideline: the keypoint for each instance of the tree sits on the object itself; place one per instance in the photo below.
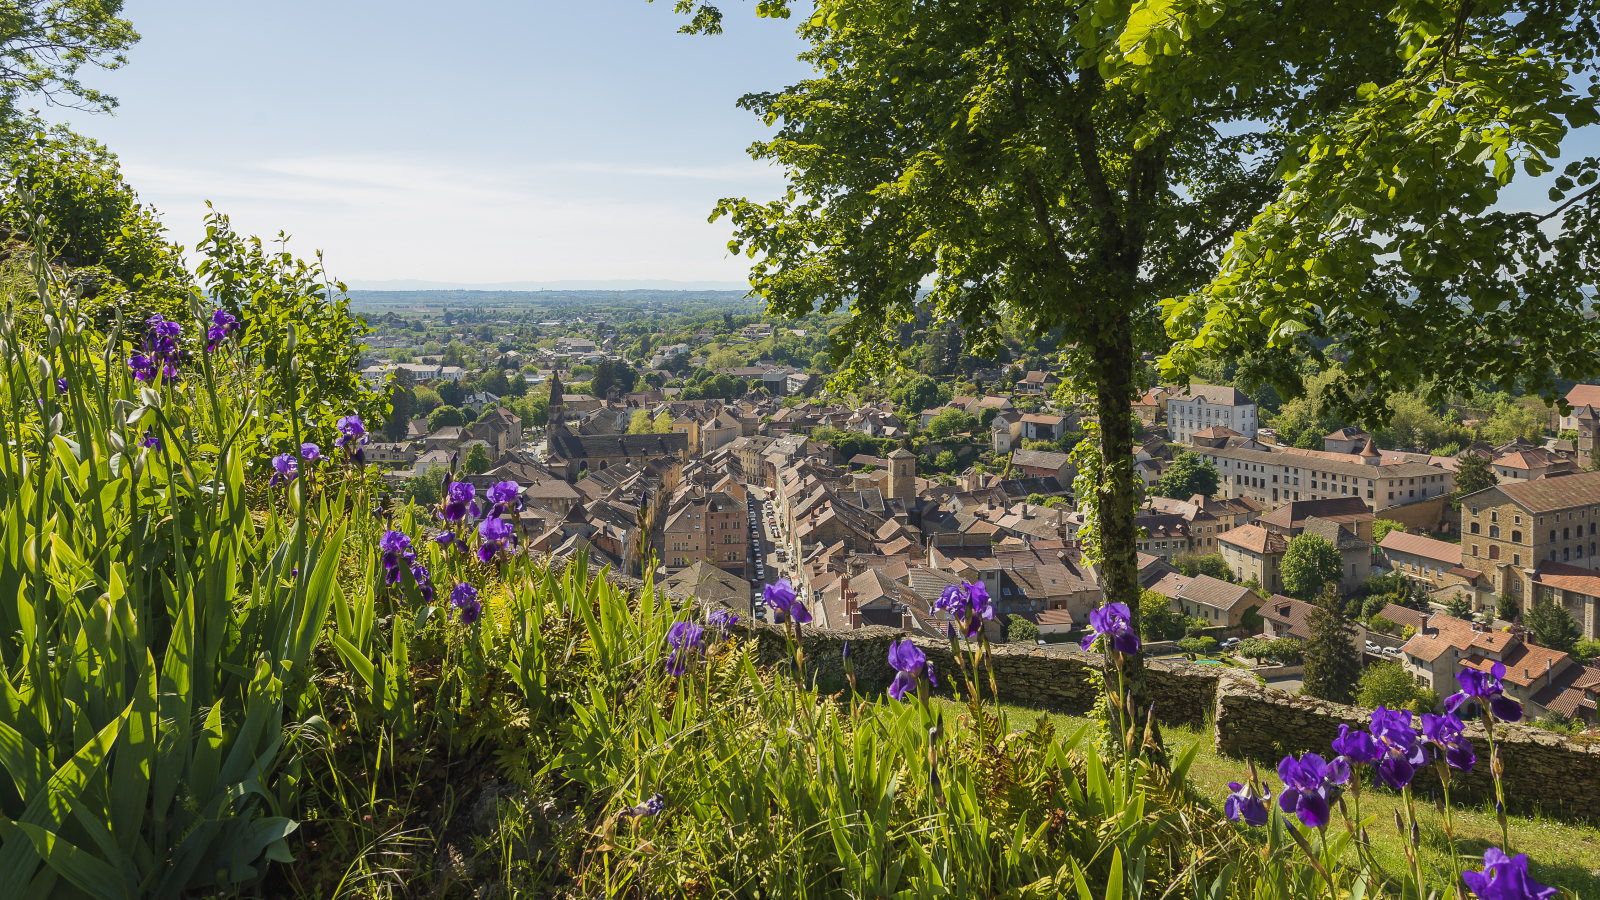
(1020, 630)
(1382, 527)
(1458, 607)
(663, 423)
(451, 393)
(1255, 648)
(1386, 684)
(945, 461)
(518, 386)
(1382, 625)
(987, 417)
(639, 422)
(1332, 663)
(477, 461)
(444, 417)
(605, 375)
(1157, 620)
(422, 490)
(915, 394)
(1199, 646)
(402, 402)
(46, 42)
(1552, 626)
(1586, 651)
(495, 382)
(1310, 563)
(1188, 475)
(1212, 564)
(950, 420)
(1473, 474)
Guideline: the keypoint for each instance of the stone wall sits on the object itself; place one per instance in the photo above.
(1545, 770)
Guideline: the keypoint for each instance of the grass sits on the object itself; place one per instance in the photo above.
(1562, 854)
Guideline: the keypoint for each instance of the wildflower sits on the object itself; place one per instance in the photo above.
(1505, 878)
(61, 385)
(1445, 734)
(458, 496)
(160, 353)
(495, 528)
(781, 597)
(1115, 623)
(968, 603)
(723, 621)
(1246, 805)
(151, 440)
(285, 470)
(652, 807)
(1487, 688)
(1310, 786)
(464, 597)
(352, 432)
(223, 323)
(396, 547)
(909, 662)
(1357, 746)
(310, 452)
(1402, 753)
(686, 639)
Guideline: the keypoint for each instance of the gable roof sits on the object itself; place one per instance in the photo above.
(1254, 538)
(1546, 494)
(1427, 548)
(1214, 393)
(577, 447)
(1039, 459)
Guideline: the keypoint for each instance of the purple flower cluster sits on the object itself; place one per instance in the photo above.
(464, 597)
(151, 440)
(160, 354)
(1311, 785)
(223, 323)
(652, 807)
(1488, 689)
(353, 437)
(397, 553)
(284, 470)
(723, 621)
(495, 531)
(1505, 878)
(781, 597)
(686, 639)
(458, 498)
(967, 603)
(912, 669)
(1114, 622)
(1445, 734)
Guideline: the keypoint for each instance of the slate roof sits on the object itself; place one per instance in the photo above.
(1038, 459)
(575, 447)
(1335, 534)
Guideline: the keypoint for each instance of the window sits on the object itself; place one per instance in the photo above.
(1552, 534)
(1494, 516)
(1516, 560)
(1494, 531)
(1474, 527)
(1566, 534)
(1474, 550)
(1494, 551)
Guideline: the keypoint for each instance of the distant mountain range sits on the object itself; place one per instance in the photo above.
(645, 284)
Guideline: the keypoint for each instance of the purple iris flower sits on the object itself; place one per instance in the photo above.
(503, 492)
(1505, 878)
(968, 603)
(1245, 805)
(424, 580)
(1357, 746)
(1311, 784)
(151, 440)
(652, 807)
(1115, 623)
(160, 353)
(143, 367)
(1488, 689)
(223, 323)
(909, 663)
(495, 529)
(781, 597)
(310, 452)
(487, 550)
(1445, 734)
(1402, 752)
(457, 498)
(686, 639)
(464, 597)
(285, 470)
(723, 621)
(61, 385)
(448, 539)
(352, 432)
(396, 547)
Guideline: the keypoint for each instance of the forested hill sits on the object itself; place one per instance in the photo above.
(733, 301)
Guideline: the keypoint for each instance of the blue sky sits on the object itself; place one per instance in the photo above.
(471, 142)
(487, 141)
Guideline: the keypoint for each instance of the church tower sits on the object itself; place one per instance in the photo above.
(903, 475)
(558, 406)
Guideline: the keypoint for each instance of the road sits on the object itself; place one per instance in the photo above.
(766, 539)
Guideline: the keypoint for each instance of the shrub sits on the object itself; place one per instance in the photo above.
(1586, 651)
(1021, 630)
(1382, 625)
(1387, 684)
(1199, 646)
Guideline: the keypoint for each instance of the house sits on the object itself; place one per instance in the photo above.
(1043, 427)
(574, 345)
(1286, 617)
(1580, 396)
(1217, 602)
(1528, 464)
(1577, 590)
(1038, 383)
(1540, 678)
(1273, 477)
(1433, 565)
(703, 581)
(1254, 554)
(1346, 440)
(1344, 522)
(1508, 529)
(1201, 406)
(1043, 464)
(1006, 431)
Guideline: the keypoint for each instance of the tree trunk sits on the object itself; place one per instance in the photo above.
(1119, 539)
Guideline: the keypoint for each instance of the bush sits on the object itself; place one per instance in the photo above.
(1381, 624)
(1387, 684)
(1199, 646)
(1586, 651)
(1192, 564)
(1020, 630)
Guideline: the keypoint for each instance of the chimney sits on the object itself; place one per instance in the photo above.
(1549, 676)
(855, 619)
(1425, 620)
(907, 621)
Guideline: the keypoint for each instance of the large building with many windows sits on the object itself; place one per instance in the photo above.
(1274, 477)
(1509, 529)
(1205, 406)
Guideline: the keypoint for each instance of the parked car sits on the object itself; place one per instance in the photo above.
(1229, 644)
(1373, 648)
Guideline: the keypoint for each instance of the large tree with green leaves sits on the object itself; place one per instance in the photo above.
(1473, 474)
(1068, 166)
(1332, 662)
(1188, 475)
(1310, 563)
(1552, 626)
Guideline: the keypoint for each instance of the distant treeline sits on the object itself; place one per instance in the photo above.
(520, 300)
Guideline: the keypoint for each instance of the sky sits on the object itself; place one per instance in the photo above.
(481, 142)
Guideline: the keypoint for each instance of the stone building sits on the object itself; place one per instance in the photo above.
(1508, 529)
(1205, 405)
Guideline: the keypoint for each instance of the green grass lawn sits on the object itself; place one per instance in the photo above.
(1560, 853)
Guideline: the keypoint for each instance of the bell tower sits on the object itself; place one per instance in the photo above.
(903, 475)
(558, 406)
